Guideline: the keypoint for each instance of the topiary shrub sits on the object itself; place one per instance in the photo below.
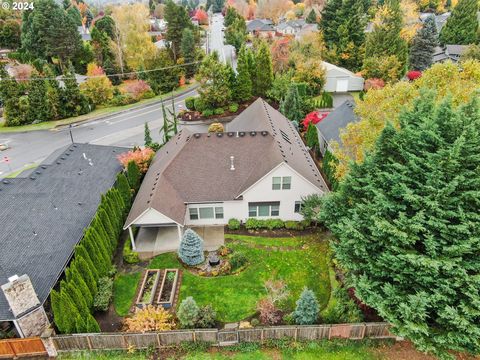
(199, 104)
(188, 313)
(274, 224)
(233, 108)
(215, 128)
(233, 224)
(191, 248)
(306, 312)
(237, 260)
(219, 111)
(104, 294)
(190, 102)
(207, 112)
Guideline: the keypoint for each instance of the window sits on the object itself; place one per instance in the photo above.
(277, 183)
(263, 209)
(298, 206)
(219, 212)
(284, 183)
(193, 213)
(206, 213)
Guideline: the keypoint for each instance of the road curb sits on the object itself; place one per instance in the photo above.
(100, 117)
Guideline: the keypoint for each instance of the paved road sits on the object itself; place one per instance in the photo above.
(126, 129)
(216, 41)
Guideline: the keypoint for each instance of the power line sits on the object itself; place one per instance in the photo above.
(98, 76)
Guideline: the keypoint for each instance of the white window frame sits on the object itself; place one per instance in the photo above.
(285, 183)
(273, 209)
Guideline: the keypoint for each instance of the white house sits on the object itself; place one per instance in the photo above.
(341, 80)
(258, 168)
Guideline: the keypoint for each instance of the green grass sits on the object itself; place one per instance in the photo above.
(294, 242)
(102, 355)
(18, 172)
(234, 297)
(47, 125)
(124, 288)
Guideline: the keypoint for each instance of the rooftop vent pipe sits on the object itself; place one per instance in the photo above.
(232, 166)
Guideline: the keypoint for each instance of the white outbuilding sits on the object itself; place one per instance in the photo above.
(341, 80)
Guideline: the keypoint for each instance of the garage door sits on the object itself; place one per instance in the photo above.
(342, 85)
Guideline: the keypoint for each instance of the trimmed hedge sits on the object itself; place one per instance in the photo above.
(271, 224)
(233, 224)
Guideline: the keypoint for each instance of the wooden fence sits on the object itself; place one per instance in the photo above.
(16, 348)
(116, 341)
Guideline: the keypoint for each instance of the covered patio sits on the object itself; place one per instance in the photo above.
(152, 241)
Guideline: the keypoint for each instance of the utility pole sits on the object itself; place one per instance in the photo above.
(70, 130)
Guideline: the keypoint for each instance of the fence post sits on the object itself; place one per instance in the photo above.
(296, 333)
(194, 336)
(158, 340)
(330, 331)
(261, 335)
(48, 342)
(89, 342)
(363, 330)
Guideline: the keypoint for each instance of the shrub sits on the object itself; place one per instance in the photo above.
(374, 84)
(274, 224)
(215, 128)
(191, 248)
(233, 108)
(269, 314)
(207, 112)
(219, 111)
(288, 319)
(223, 250)
(276, 291)
(141, 157)
(255, 322)
(188, 313)
(190, 103)
(343, 311)
(414, 75)
(148, 94)
(238, 259)
(294, 225)
(130, 256)
(254, 224)
(206, 317)
(104, 294)
(233, 224)
(122, 99)
(199, 104)
(306, 312)
(135, 88)
(150, 318)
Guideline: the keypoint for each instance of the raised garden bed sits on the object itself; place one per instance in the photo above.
(149, 285)
(168, 287)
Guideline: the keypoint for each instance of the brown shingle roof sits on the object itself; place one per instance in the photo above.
(196, 167)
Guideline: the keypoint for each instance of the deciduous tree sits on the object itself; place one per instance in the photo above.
(98, 87)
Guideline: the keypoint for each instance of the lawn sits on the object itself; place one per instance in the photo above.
(234, 297)
(124, 288)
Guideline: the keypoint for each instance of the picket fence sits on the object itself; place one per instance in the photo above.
(121, 341)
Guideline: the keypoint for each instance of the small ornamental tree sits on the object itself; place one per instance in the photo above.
(291, 105)
(188, 312)
(141, 157)
(191, 248)
(306, 312)
(133, 175)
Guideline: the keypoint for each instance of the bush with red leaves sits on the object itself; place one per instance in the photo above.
(414, 75)
(269, 314)
(374, 84)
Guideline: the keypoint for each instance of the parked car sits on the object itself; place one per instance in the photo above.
(3, 147)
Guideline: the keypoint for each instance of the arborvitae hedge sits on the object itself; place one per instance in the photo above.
(73, 302)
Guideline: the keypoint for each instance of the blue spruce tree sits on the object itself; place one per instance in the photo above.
(191, 248)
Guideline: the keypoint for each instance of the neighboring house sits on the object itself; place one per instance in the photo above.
(449, 52)
(290, 27)
(341, 80)
(43, 215)
(440, 20)
(328, 129)
(84, 33)
(79, 78)
(306, 30)
(258, 168)
(261, 27)
(161, 44)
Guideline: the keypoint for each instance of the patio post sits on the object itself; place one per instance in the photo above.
(179, 232)
(132, 239)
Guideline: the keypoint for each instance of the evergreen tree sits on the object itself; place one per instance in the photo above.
(105, 221)
(77, 280)
(462, 26)
(178, 20)
(343, 25)
(188, 313)
(311, 17)
(312, 137)
(187, 47)
(133, 175)
(243, 91)
(190, 250)
(400, 219)
(81, 266)
(213, 78)
(77, 297)
(124, 189)
(230, 16)
(264, 70)
(75, 15)
(291, 105)
(12, 93)
(103, 247)
(91, 325)
(80, 326)
(81, 251)
(69, 313)
(236, 33)
(39, 109)
(423, 45)
(58, 315)
(54, 95)
(74, 103)
(385, 39)
(306, 312)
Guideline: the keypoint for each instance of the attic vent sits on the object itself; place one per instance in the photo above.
(74, 145)
(241, 133)
(58, 162)
(264, 133)
(230, 134)
(72, 150)
(38, 172)
(63, 158)
(68, 154)
(197, 135)
(6, 182)
(32, 177)
(285, 136)
(43, 167)
(219, 135)
(253, 133)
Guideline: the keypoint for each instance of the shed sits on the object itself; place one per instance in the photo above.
(341, 80)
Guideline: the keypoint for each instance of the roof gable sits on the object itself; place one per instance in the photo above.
(329, 128)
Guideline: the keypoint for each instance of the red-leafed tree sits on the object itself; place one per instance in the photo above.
(201, 17)
(414, 75)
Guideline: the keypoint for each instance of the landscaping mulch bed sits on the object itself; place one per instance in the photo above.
(277, 233)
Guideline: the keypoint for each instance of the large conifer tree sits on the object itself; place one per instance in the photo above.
(407, 224)
(423, 45)
(264, 70)
(243, 91)
(462, 26)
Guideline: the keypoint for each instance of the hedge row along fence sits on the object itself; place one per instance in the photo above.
(72, 303)
(215, 337)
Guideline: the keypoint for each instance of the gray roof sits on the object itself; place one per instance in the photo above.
(329, 128)
(455, 50)
(43, 215)
(260, 25)
(196, 167)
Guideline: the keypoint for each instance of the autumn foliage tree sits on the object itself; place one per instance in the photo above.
(98, 87)
(151, 318)
(141, 157)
